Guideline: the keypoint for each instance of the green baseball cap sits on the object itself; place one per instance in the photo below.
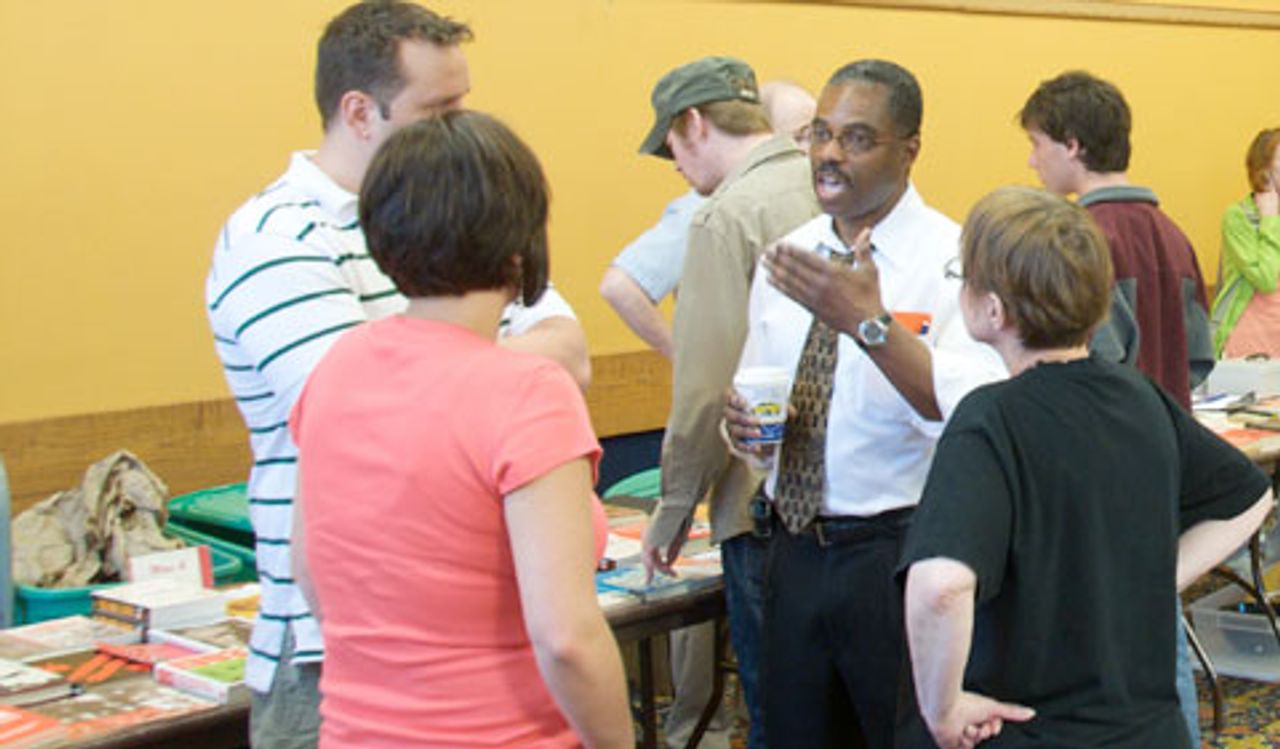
(700, 82)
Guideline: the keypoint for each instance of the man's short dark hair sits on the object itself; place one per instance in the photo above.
(1090, 110)
(360, 50)
(906, 106)
(457, 203)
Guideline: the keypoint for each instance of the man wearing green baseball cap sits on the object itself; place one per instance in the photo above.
(708, 119)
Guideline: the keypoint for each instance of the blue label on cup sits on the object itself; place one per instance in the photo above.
(773, 421)
(771, 432)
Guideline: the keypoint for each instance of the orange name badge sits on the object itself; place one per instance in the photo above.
(917, 322)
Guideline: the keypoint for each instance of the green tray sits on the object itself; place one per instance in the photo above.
(220, 511)
(646, 484)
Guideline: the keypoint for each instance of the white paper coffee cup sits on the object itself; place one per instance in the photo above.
(766, 390)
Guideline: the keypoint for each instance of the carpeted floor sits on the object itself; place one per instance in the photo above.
(1252, 715)
(1252, 719)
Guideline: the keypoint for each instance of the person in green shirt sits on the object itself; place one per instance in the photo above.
(1246, 312)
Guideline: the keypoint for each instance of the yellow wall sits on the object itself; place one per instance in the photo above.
(132, 127)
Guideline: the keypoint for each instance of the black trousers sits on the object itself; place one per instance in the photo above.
(835, 646)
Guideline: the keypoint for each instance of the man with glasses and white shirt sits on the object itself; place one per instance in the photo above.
(858, 305)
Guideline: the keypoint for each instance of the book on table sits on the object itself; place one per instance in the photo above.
(64, 635)
(90, 668)
(147, 653)
(217, 675)
(118, 704)
(159, 603)
(693, 572)
(25, 684)
(24, 729)
(227, 633)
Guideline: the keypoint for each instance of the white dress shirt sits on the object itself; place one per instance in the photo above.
(878, 447)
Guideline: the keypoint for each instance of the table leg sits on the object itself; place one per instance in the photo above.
(648, 711)
(717, 685)
(1260, 584)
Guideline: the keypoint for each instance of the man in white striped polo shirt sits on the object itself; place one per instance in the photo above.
(290, 272)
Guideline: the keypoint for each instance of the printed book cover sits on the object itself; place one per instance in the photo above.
(25, 684)
(147, 653)
(64, 635)
(114, 705)
(217, 676)
(242, 600)
(16, 648)
(700, 530)
(192, 565)
(90, 668)
(228, 633)
(23, 729)
(693, 574)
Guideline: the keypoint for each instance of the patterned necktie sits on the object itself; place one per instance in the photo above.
(802, 472)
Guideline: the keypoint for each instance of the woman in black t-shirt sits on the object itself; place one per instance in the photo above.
(1062, 508)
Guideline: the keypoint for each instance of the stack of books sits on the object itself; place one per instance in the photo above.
(158, 603)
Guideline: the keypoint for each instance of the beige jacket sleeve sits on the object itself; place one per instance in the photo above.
(709, 329)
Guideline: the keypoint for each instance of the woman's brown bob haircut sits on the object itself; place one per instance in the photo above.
(457, 203)
(1045, 260)
(1261, 155)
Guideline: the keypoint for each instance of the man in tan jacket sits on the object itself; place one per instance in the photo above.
(709, 120)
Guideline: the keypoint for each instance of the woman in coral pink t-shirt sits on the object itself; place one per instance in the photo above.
(445, 512)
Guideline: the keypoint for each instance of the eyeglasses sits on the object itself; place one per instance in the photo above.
(852, 139)
(953, 271)
(803, 136)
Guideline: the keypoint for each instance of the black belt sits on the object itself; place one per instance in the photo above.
(843, 529)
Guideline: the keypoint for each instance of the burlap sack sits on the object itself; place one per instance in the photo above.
(85, 535)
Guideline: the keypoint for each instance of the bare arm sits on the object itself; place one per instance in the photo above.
(842, 298)
(939, 617)
(298, 554)
(1206, 544)
(636, 309)
(549, 521)
(560, 338)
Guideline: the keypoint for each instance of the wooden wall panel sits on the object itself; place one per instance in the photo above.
(201, 444)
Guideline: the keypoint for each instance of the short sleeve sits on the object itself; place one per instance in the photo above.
(283, 303)
(1218, 481)
(518, 319)
(546, 426)
(654, 259)
(966, 511)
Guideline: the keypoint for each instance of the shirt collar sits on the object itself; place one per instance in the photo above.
(887, 237)
(333, 198)
(1119, 194)
(775, 147)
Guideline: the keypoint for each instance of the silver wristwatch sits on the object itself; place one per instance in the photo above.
(874, 331)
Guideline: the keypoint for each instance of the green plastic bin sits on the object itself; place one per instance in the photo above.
(220, 511)
(34, 604)
(245, 555)
(646, 484)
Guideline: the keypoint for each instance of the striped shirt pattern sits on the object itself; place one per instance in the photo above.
(290, 273)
